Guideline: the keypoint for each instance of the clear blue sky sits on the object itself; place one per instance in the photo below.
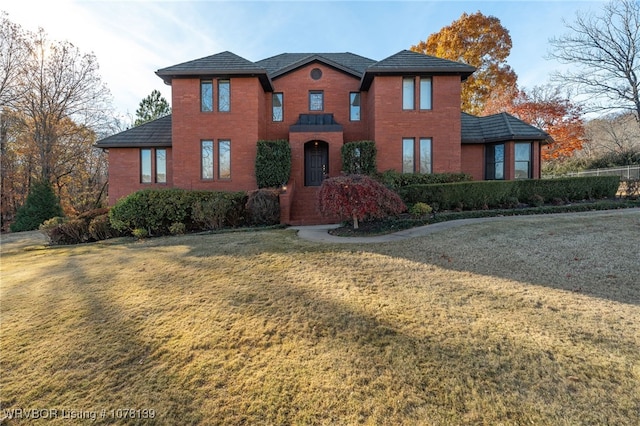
(133, 39)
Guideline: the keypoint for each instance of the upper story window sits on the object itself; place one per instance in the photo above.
(277, 107)
(408, 97)
(425, 93)
(224, 95)
(316, 100)
(206, 95)
(354, 106)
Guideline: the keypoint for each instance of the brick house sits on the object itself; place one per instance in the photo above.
(408, 103)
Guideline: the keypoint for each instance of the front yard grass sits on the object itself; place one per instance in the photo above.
(535, 320)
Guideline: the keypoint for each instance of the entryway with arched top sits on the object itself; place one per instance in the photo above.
(316, 162)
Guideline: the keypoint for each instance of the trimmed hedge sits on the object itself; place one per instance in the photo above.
(394, 180)
(359, 157)
(273, 163)
(497, 194)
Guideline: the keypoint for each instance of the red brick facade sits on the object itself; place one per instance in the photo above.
(249, 119)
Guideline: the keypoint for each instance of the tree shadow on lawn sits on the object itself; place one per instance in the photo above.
(597, 256)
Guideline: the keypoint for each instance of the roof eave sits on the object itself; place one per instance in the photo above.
(368, 76)
(265, 80)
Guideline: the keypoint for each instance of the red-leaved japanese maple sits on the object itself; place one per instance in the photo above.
(357, 197)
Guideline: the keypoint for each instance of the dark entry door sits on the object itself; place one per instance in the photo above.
(316, 162)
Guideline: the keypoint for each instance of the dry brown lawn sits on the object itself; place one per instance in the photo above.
(534, 320)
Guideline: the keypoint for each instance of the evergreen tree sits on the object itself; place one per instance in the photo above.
(41, 204)
(152, 107)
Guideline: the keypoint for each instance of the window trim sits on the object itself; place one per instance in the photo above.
(209, 96)
(490, 149)
(142, 165)
(316, 92)
(529, 161)
(352, 97)
(424, 98)
(409, 143)
(219, 157)
(420, 153)
(408, 97)
(202, 158)
(222, 82)
(274, 96)
(157, 167)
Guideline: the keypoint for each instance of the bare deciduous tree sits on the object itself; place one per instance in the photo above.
(605, 49)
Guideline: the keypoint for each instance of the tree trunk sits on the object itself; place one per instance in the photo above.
(355, 222)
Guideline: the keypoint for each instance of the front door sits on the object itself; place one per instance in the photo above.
(316, 162)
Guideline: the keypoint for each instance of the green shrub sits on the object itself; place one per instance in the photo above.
(156, 210)
(497, 194)
(100, 228)
(152, 209)
(394, 180)
(273, 163)
(263, 207)
(41, 204)
(420, 210)
(140, 233)
(359, 157)
(177, 228)
(92, 225)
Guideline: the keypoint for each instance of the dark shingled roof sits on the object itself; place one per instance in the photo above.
(230, 64)
(285, 62)
(407, 61)
(156, 133)
(224, 63)
(500, 127)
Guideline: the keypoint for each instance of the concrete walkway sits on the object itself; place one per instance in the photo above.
(320, 234)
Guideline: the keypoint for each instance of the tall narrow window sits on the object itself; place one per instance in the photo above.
(408, 97)
(494, 162)
(206, 96)
(316, 100)
(145, 165)
(224, 159)
(523, 160)
(407, 156)
(425, 93)
(354, 106)
(161, 166)
(206, 163)
(224, 95)
(425, 155)
(277, 107)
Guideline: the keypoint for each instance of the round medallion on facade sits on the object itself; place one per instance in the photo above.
(316, 73)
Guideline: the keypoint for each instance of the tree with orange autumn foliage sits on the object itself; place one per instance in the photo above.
(480, 41)
(545, 108)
